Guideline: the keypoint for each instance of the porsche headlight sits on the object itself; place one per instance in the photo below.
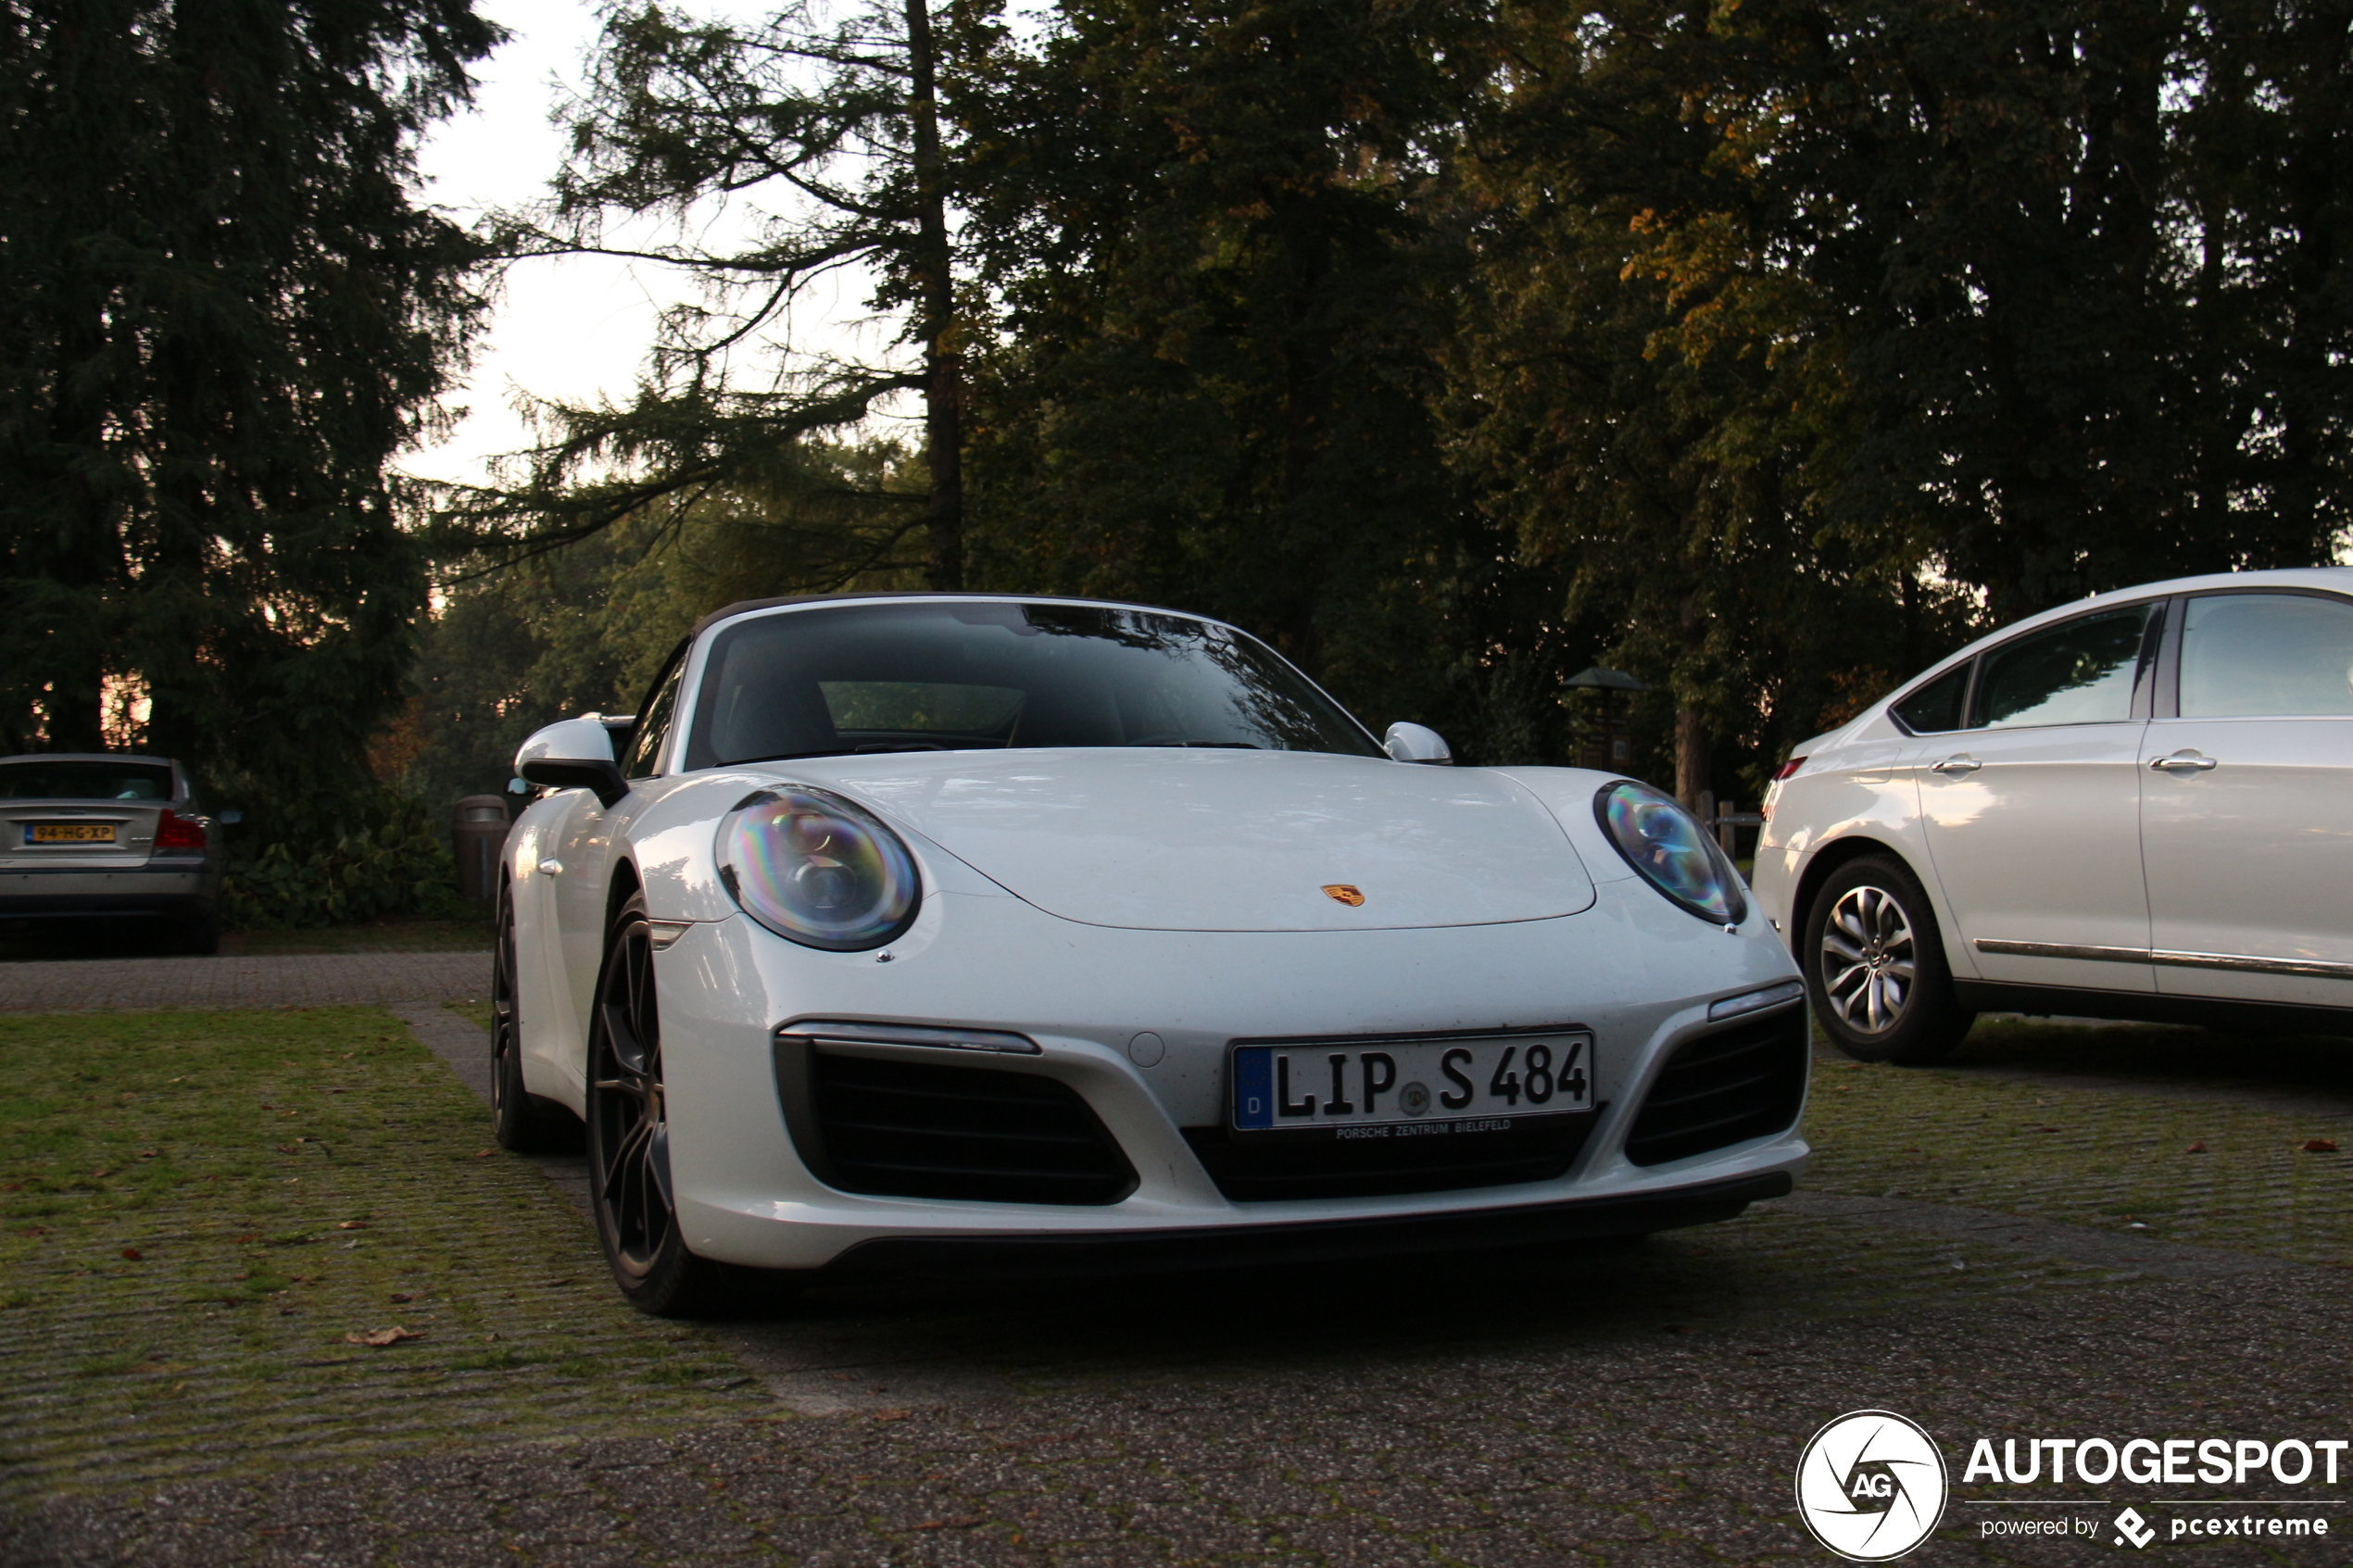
(1673, 852)
(814, 867)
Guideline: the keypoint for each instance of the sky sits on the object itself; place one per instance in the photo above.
(562, 327)
(569, 328)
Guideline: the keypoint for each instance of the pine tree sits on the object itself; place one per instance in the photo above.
(831, 132)
(225, 315)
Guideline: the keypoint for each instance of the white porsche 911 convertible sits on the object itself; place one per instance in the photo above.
(944, 931)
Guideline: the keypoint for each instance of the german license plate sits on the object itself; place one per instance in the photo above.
(69, 833)
(1346, 1084)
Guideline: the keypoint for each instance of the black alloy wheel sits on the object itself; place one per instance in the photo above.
(519, 1119)
(1875, 966)
(629, 1134)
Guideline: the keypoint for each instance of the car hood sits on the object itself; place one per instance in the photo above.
(1182, 840)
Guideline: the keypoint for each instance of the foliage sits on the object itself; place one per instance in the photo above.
(1219, 300)
(585, 628)
(827, 134)
(1765, 350)
(225, 315)
(375, 856)
(1641, 395)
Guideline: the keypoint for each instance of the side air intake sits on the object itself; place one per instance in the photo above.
(1746, 1082)
(904, 1128)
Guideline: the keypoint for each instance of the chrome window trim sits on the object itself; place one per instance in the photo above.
(2173, 958)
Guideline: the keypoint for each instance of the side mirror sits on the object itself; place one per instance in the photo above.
(1416, 743)
(574, 754)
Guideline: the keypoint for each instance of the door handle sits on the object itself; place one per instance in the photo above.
(2185, 761)
(551, 868)
(1959, 764)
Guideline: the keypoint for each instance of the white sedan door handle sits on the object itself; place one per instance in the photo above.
(1960, 763)
(2185, 761)
(551, 868)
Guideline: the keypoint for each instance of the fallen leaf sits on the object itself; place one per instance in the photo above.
(353, 1226)
(2198, 1147)
(2046, 1129)
(378, 1338)
(2321, 1145)
(132, 1253)
(97, 1173)
(484, 1153)
(892, 1415)
(150, 1153)
(287, 1149)
(402, 1296)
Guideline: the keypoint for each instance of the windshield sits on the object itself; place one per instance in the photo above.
(84, 781)
(957, 676)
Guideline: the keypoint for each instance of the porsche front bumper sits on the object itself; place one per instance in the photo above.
(1636, 971)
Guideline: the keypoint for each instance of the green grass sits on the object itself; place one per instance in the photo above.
(197, 1208)
(2106, 1153)
(373, 937)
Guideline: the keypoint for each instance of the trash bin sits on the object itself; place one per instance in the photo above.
(477, 832)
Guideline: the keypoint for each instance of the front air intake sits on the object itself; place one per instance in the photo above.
(903, 1128)
(1746, 1082)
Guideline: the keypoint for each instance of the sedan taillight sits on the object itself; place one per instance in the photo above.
(1791, 766)
(176, 832)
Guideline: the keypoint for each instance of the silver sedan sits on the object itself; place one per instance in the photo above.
(84, 835)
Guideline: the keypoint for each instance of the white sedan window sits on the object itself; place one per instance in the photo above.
(2081, 673)
(2275, 654)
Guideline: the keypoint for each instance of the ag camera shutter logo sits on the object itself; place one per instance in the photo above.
(1871, 1486)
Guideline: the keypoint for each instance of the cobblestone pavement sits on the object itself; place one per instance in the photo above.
(2019, 1247)
(284, 980)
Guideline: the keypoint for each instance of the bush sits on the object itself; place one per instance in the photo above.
(375, 857)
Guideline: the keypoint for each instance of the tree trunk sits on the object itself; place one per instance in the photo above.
(1691, 757)
(1690, 736)
(935, 284)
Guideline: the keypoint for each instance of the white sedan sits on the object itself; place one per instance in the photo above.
(2135, 807)
(926, 931)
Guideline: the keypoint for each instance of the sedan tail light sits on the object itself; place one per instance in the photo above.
(1791, 766)
(176, 832)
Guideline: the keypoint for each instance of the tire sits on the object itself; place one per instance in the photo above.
(1875, 966)
(520, 1120)
(629, 1183)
